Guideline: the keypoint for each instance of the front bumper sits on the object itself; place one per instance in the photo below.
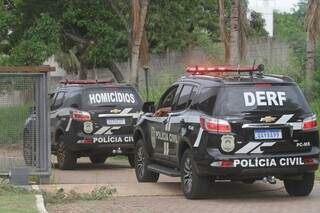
(244, 166)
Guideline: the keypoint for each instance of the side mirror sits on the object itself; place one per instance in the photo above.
(148, 107)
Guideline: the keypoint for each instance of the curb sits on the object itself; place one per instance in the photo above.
(39, 200)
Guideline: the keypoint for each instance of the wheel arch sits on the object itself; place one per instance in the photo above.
(137, 134)
(184, 144)
(59, 132)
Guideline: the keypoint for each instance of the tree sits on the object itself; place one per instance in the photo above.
(257, 25)
(138, 25)
(234, 34)
(223, 31)
(312, 24)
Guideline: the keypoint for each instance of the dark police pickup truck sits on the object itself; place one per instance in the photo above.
(232, 126)
(92, 118)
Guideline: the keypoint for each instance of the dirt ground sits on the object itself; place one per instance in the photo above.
(165, 196)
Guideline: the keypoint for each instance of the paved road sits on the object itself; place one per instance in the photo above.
(165, 196)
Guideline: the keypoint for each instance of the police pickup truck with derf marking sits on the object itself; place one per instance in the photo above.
(93, 119)
(240, 125)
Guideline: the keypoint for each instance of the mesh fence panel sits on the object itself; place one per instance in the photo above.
(20, 113)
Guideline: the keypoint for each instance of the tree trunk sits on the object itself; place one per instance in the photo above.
(114, 69)
(139, 17)
(310, 66)
(83, 73)
(223, 31)
(234, 34)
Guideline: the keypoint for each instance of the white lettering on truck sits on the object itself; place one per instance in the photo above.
(112, 97)
(264, 98)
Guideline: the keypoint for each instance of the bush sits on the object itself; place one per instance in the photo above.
(61, 197)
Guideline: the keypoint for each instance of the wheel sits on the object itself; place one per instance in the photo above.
(27, 149)
(97, 159)
(131, 160)
(193, 185)
(66, 159)
(141, 162)
(301, 187)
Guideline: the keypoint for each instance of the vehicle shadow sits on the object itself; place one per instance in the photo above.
(258, 191)
(84, 164)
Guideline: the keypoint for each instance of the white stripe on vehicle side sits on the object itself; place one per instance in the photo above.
(248, 147)
(284, 119)
(197, 142)
(258, 149)
(69, 125)
(112, 128)
(102, 130)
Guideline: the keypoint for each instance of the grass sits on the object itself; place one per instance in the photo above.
(16, 199)
(61, 197)
(12, 120)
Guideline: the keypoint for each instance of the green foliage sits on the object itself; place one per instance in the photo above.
(12, 133)
(175, 24)
(61, 197)
(257, 24)
(16, 199)
(290, 28)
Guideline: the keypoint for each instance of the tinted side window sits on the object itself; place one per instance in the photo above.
(59, 100)
(207, 100)
(168, 97)
(184, 98)
(73, 99)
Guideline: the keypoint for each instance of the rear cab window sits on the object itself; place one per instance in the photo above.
(239, 99)
(111, 96)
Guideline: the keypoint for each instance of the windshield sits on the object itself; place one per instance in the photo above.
(111, 96)
(255, 99)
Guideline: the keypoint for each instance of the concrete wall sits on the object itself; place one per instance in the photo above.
(271, 52)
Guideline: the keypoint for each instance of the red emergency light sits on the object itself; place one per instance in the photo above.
(198, 70)
(86, 81)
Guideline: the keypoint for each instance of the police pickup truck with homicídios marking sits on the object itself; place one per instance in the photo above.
(92, 118)
(232, 126)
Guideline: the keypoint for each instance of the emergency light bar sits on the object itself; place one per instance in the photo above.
(86, 81)
(219, 69)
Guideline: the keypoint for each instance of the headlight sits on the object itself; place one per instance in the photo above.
(88, 127)
(227, 143)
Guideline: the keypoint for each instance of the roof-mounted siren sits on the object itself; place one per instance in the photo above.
(107, 81)
(202, 70)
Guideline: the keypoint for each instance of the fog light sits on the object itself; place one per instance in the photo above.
(227, 143)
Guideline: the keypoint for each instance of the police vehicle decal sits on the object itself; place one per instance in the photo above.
(123, 113)
(254, 147)
(112, 97)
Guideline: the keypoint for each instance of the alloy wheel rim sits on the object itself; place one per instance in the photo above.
(140, 161)
(187, 176)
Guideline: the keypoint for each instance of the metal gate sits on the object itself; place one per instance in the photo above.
(24, 122)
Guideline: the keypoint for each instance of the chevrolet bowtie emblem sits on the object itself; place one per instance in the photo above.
(115, 111)
(268, 119)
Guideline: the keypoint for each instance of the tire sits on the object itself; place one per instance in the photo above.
(27, 149)
(300, 187)
(98, 159)
(66, 159)
(193, 185)
(141, 162)
(131, 160)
